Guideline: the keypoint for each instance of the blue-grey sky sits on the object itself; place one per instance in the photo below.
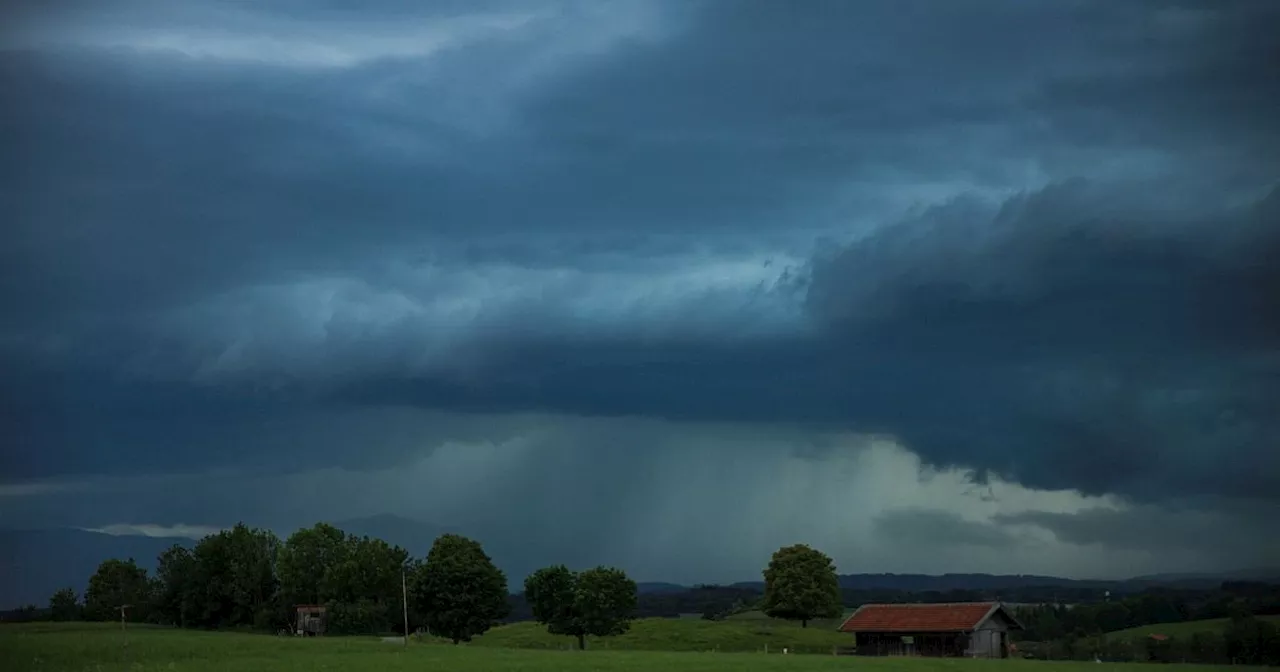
(934, 286)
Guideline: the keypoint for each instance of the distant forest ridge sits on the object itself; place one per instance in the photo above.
(35, 563)
(916, 583)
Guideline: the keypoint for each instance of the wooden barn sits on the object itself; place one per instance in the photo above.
(310, 620)
(968, 629)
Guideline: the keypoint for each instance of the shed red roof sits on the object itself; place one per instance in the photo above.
(955, 617)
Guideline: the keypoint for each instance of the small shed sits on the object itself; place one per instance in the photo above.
(966, 629)
(310, 620)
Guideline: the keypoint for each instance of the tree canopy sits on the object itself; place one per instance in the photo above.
(800, 584)
(307, 562)
(356, 578)
(458, 591)
(600, 602)
(64, 606)
(117, 583)
(177, 591)
(235, 572)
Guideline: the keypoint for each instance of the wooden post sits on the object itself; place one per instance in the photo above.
(404, 604)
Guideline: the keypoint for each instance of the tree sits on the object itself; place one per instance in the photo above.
(599, 602)
(1251, 640)
(177, 588)
(458, 591)
(800, 584)
(117, 583)
(64, 606)
(364, 587)
(356, 578)
(307, 561)
(236, 578)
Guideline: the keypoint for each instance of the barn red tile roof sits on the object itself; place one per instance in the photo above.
(954, 617)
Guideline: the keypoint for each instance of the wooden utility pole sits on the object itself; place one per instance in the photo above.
(404, 605)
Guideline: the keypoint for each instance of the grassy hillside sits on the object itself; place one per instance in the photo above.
(680, 634)
(104, 648)
(1185, 629)
(818, 624)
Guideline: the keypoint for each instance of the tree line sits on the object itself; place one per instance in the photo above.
(1081, 631)
(248, 578)
(1243, 639)
(1050, 622)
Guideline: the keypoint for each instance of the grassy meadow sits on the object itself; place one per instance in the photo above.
(1184, 629)
(672, 634)
(105, 648)
(819, 624)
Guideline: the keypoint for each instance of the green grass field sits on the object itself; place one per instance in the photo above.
(819, 624)
(104, 648)
(1186, 629)
(680, 634)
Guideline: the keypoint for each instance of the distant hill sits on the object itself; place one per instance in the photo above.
(1269, 574)
(659, 587)
(1183, 629)
(35, 563)
(920, 583)
(683, 634)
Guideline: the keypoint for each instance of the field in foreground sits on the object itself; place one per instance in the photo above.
(1184, 629)
(102, 648)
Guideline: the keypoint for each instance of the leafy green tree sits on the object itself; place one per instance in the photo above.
(357, 578)
(117, 583)
(800, 584)
(236, 575)
(600, 602)
(1251, 640)
(307, 562)
(64, 606)
(365, 587)
(458, 591)
(1112, 616)
(177, 587)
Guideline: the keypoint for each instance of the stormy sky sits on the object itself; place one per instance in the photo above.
(933, 286)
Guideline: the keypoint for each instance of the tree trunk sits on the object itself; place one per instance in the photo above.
(582, 642)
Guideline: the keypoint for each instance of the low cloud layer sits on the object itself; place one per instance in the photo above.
(631, 243)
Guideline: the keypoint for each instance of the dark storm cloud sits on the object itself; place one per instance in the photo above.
(1110, 344)
(174, 215)
(925, 527)
(1236, 536)
(1066, 339)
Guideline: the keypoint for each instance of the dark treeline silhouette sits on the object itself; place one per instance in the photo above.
(249, 578)
(1080, 631)
(1049, 622)
(1188, 604)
